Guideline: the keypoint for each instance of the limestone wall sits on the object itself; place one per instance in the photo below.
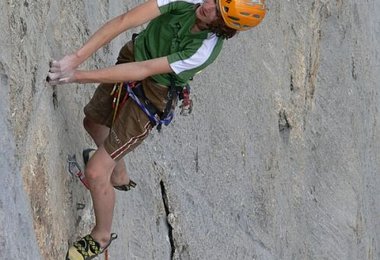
(279, 159)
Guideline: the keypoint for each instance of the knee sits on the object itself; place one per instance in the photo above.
(95, 177)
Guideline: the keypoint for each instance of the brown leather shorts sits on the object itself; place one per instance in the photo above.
(131, 125)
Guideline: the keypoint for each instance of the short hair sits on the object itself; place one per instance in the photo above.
(220, 28)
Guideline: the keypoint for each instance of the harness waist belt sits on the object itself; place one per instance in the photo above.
(146, 106)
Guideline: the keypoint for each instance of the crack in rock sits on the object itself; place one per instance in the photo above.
(169, 215)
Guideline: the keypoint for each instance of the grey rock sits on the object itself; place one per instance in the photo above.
(278, 160)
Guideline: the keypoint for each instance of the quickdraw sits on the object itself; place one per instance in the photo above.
(187, 104)
(75, 170)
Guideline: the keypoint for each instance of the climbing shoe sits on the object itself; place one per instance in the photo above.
(87, 153)
(126, 187)
(87, 248)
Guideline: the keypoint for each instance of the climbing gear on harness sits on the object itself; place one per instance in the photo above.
(242, 15)
(87, 248)
(87, 153)
(187, 103)
(173, 93)
(116, 93)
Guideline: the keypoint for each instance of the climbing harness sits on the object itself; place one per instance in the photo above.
(136, 94)
(158, 118)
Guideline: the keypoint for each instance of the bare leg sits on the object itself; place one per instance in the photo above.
(99, 133)
(98, 173)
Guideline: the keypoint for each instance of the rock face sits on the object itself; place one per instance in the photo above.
(279, 159)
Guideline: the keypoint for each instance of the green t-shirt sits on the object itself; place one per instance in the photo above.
(170, 35)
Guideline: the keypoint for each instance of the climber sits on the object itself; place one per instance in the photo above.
(182, 38)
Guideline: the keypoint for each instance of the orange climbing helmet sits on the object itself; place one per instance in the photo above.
(242, 15)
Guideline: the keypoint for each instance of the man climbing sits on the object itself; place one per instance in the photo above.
(181, 39)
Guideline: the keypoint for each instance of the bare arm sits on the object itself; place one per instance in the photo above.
(124, 72)
(137, 16)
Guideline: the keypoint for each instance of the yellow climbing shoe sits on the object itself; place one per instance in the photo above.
(86, 248)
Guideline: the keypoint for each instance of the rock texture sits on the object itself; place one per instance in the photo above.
(279, 159)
